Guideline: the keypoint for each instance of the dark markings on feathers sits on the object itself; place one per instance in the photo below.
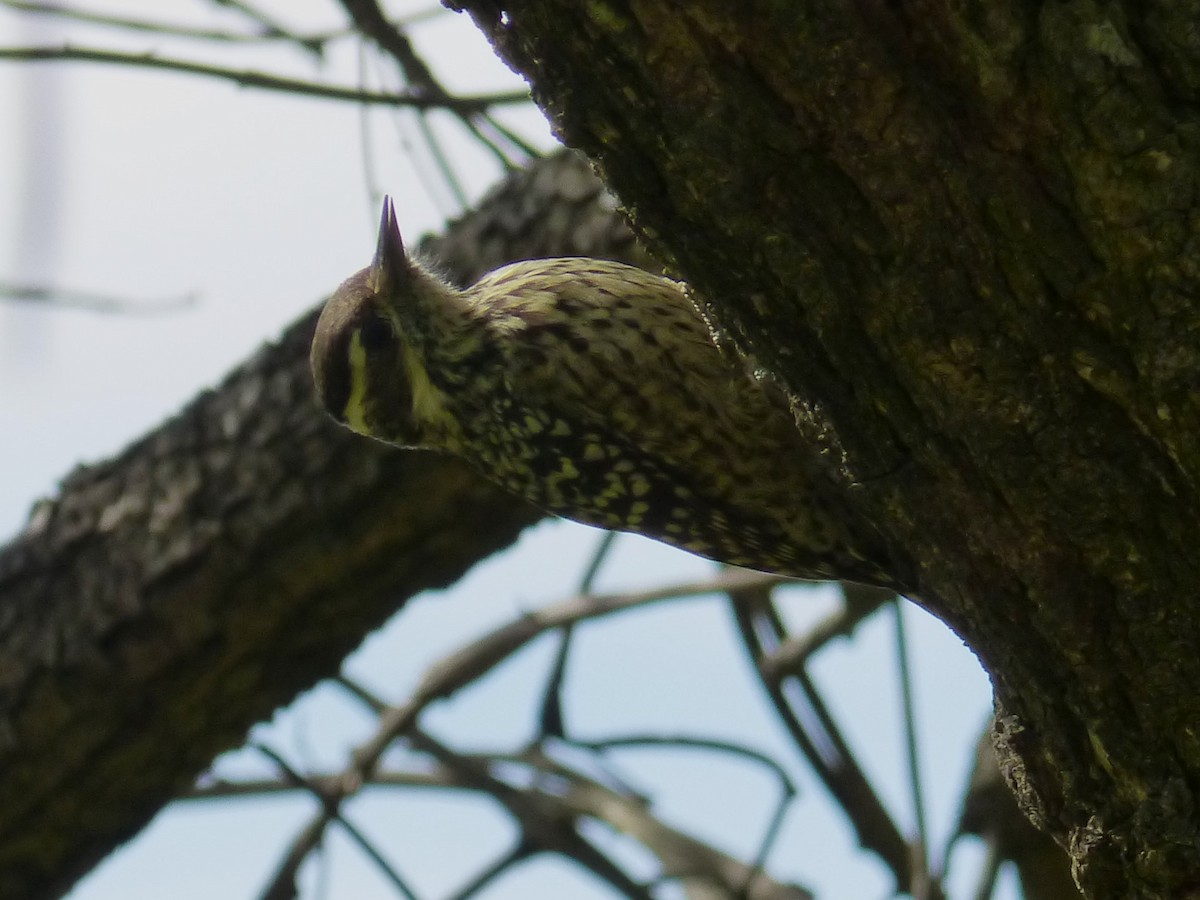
(594, 390)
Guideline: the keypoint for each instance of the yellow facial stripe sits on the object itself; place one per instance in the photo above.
(355, 412)
(428, 405)
(426, 418)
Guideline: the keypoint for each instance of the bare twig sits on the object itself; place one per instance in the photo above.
(551, 718)
(550, 808)
(267, 24)
(786, 786)
(562, 795)
(65, 298)
(468, 664)
(369, 19)
(545, 822)
(312, 42)
(262, 80)
(803, 712)
(787, 789)
(858, 602)
(441, 160)
(912, 750)
(327, 784)
(701, 870)
(472, 662)
(285, 880)
(517, 854)
(371, 23)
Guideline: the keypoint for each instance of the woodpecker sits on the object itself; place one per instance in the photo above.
(594, 390)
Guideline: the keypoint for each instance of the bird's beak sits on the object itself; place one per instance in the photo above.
(390, 265)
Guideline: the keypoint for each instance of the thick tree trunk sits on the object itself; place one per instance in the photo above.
(169, 599)
(964, 236)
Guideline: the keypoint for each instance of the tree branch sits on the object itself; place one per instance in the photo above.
(65, 298)
(170, 598)
(465, 105)
(962, 237)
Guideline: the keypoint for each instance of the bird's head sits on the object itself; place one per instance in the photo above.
(368, 370)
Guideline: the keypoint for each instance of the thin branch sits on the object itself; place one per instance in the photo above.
(369, 19)
(267, 30)
(758, 866)
(549, 811)
(65, 298)
(472, 122)
(526, 150)
(263, 81)
(331, 809)
(985, 889)
(328, 784)
(858, 602)
(268, 24)
(701, 870)
(603, 549)
(912, 751)
(371, 23)
(441, 161)
(692, 742)
(472, 662)
(573, 794)
(468, 664)
(517, 855)
(313, 43)
(360, 693)
(429, 139)
(818, 737)
(551, 721)
(787, 788)
(544, 821)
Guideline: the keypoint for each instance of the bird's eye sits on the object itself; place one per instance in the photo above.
(376, 333)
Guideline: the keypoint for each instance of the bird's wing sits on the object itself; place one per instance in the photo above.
(611, 347)
(640, 422)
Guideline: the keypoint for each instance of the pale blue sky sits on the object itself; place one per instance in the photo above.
(150, 185)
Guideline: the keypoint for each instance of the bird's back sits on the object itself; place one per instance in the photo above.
(619, 410)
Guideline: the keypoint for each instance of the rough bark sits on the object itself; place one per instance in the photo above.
(990, 811)
(964, 236)
(170, 598)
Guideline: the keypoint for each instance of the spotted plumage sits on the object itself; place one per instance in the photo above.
(594, 390)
